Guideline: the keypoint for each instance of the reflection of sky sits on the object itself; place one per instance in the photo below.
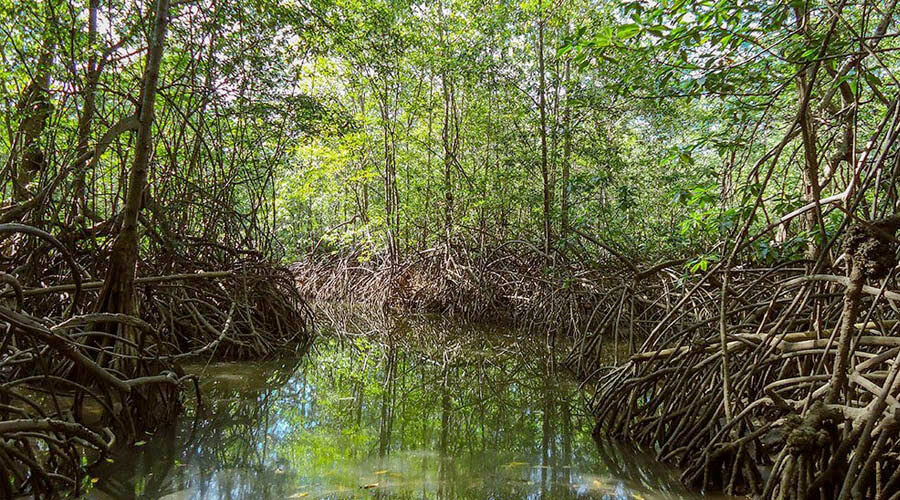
(313, 428)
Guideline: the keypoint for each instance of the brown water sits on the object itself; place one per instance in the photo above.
(421, 409)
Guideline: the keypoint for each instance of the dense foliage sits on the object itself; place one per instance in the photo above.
(488, 156)
(395, 126)
(379, 124)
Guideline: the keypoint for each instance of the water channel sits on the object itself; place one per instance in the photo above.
(389, 408)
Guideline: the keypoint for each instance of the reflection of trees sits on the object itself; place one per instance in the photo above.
(227, 433)
(503, 419)
(389, 394)
(493, 394)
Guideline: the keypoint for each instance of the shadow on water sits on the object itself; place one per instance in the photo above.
(389, 408)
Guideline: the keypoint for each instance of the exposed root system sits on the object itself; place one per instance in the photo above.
(785, 385)
(509, 283)
(767, 381)
(70, 389)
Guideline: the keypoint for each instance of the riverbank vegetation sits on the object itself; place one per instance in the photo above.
(127, 243)
(710, 187)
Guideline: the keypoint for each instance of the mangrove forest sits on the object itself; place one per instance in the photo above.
(450, 249)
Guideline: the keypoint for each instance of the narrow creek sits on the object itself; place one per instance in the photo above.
(389, 408)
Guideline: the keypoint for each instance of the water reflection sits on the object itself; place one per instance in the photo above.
(398, 409)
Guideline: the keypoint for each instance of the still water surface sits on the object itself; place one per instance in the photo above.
(389, 409)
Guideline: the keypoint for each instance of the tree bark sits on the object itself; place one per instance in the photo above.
(810, 173)
(118, 293)
(391, 202)
(447, 86)
(542, 104)
(848, 317)
(91, 79)
(567, 155)
(34, 106)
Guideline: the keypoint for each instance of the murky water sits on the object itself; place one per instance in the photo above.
(396, 410)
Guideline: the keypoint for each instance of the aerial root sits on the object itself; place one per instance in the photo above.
(794, 429)
(72, 386)
(508, 283)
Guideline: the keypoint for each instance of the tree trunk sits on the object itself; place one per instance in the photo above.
(91, 79)
(390, 170)
(810, 188)
(542, 104)
(448, 145)
(34, 107)
(872, 254)
(848, 317)
(810, 174)
(118, 293)
(567, 155)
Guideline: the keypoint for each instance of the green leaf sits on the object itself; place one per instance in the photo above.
(873, 80)
(627, 31)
